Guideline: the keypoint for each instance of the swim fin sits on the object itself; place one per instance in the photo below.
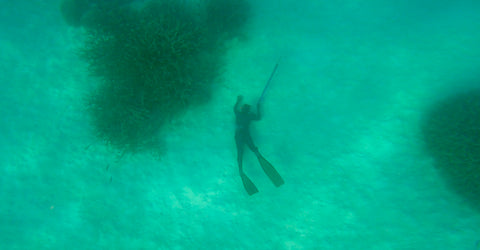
(248, 184)
(270, 171)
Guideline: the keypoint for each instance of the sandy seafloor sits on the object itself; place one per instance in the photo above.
(341, 125)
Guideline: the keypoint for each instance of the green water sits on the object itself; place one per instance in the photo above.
(341, 124)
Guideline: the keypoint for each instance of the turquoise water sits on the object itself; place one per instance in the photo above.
(341, 124)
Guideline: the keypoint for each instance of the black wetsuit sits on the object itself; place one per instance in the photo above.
(242, 131)
(242, 137)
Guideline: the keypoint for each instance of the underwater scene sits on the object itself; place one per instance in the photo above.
(239, 124)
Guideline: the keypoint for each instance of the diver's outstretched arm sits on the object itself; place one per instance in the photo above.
(236, 108)
(257, 117)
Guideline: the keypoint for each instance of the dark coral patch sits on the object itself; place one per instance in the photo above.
(153, 62)
(451, 131)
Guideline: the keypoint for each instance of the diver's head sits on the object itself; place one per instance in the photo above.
(245, 108)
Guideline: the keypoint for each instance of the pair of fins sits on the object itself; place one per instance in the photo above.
(269, 170)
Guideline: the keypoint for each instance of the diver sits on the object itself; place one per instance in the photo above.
(243, 117)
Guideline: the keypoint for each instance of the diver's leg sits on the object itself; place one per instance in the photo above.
(240, 146)
(251, 145)
(266, 166)
(247, 183)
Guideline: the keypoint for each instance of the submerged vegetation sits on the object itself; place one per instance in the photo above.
(152, 62)
(451, 130)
